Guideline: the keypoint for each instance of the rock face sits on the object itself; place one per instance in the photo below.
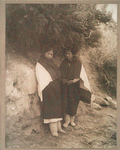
(107, 101)
(112, 103)
(22, 100)
(96, 106)
(100, 101)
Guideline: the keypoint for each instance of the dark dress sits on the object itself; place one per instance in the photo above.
(52, 92)
(70, 93)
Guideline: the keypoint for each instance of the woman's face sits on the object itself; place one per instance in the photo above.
(69, 55)
(49, 54)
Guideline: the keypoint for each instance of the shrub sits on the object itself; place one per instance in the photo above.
(33, 26)
(104, 59)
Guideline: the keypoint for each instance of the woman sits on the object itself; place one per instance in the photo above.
(72, 85)
(48, 77)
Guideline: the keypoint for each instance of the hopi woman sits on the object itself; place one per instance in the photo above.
(73, 86)
(48, 77)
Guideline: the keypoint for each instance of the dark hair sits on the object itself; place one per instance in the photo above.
(47, 48)
(73, 49)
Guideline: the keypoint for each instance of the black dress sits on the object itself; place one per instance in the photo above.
(52, 92)
(70, 93)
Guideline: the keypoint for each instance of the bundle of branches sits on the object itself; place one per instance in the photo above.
(33, 26)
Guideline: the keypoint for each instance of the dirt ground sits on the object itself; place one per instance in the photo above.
(94, 129)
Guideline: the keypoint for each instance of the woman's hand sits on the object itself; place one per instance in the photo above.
(76, 80)
(73, 81)
(70, 82)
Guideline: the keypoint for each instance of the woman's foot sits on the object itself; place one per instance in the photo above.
(72, 118)
(61, 130)
(59, 127)
(65, 125)
(73, 124)
(53, 128)
(54, 134)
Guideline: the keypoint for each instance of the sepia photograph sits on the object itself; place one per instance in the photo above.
(61, 75)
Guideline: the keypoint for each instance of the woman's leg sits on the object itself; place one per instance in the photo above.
(59, 127)
(67, 120)
(72, 118)
(53, 128)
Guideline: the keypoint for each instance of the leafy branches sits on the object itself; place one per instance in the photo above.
(58, 25)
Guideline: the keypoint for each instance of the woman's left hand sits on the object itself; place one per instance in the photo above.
(70, 82)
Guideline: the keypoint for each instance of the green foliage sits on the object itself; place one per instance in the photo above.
(104, 59)
(103, 16)
(94, 40)
(33, 26)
